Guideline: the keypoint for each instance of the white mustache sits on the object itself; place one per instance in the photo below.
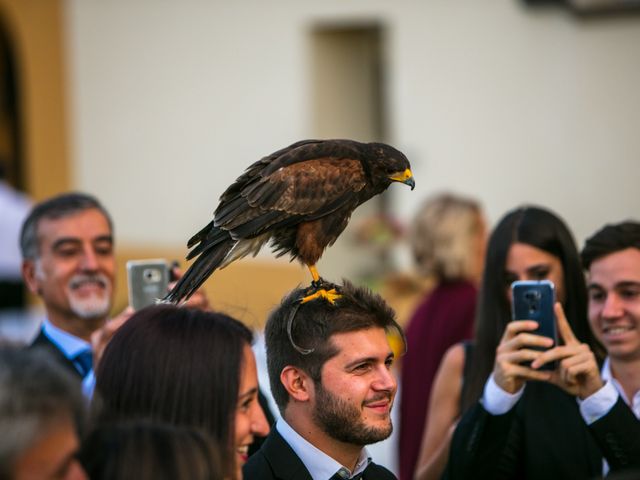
(99, 278)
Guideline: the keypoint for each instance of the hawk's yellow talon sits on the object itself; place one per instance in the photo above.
(330, 295)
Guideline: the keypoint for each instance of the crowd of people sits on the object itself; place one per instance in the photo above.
(172, 391)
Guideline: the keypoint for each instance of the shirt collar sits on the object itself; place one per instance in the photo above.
(605, 373)
(320, 465)
(70, 345)
(607, 376)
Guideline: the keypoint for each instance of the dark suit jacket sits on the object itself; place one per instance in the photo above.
(277, 460)
(42, 342)
(542, 437)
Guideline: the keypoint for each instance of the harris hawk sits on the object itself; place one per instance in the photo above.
(298, 199)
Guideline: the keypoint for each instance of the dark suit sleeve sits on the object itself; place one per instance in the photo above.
(618, 435)
(257, 468)
(485, 445)
(377, 472)
(42, 342)
(275, 460)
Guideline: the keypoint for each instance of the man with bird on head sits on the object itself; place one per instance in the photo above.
(299, 199)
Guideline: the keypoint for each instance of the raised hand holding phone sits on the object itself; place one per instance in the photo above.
(519, 346)
(531, 332)
(578, 372)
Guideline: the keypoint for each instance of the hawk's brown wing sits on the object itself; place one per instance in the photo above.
(291, 194)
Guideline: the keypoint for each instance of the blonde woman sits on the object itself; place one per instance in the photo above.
(448, 240)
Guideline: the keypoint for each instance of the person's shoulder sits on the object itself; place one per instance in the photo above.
(378, 472)
(453, 359)
(44, 344)
(275, 460)
(40, 340)
(257, 466)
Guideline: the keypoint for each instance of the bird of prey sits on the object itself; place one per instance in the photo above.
(298, 199)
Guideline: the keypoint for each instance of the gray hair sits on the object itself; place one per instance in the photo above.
(35, 393)
(53, 208)
(442, 236)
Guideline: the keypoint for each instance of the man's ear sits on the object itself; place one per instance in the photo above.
(30, 276)
(297, 383)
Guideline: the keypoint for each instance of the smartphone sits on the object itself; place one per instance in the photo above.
(534, 300)
(148, 281)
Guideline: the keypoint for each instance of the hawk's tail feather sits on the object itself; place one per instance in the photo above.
(201, 235)
(199, 271)
(207, 242)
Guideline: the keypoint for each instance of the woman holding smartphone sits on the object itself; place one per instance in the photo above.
(529, 243)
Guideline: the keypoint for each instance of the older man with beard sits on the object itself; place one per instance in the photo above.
(330, 373)
(68, 261)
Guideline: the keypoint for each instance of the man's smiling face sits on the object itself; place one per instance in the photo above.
(354, 398)
(74, 271)
(614, 303)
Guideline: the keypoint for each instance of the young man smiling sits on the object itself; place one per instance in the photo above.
(612, 258)
(330, 374)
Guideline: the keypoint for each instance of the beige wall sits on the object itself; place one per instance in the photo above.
(168, 101)
(171, 100)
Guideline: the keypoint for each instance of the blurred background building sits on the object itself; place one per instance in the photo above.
(155, 106)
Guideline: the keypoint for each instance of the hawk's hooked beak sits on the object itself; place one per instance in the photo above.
(405, 177)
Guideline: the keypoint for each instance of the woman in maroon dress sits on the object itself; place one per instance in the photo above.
(448, 242)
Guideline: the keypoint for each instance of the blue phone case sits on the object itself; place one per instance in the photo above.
(534, 300)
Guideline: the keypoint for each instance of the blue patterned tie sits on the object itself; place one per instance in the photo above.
(83, 362)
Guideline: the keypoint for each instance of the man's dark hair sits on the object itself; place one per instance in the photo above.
(610, 239)
(300, 334)
(35, 394)
(54, 208)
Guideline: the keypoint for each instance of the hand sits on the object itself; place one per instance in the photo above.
(578, 372)
(198, 300)
(101, 337)
(508, 371)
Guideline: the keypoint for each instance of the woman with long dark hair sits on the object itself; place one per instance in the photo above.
(529, 243)
(523, 421)
(184, 367)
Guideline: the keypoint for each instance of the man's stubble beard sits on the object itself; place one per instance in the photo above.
(343, 421)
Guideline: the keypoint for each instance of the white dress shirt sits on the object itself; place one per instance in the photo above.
(497, 401)
(320, 465)
(598, 405)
